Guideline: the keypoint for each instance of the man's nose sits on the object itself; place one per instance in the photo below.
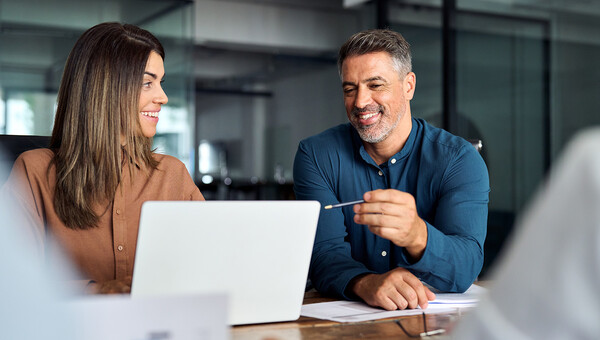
(363, 98)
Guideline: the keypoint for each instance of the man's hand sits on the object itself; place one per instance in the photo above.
(392, 214)
(396, 289)
(111, 287)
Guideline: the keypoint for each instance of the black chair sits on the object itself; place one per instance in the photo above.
(477, 144)
(11, 146)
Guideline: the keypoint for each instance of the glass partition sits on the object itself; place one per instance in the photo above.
(37, 36)
(525, 83)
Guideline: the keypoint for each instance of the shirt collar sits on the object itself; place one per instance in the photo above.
(404, 152)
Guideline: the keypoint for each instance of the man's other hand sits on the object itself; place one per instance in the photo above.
(396, 289)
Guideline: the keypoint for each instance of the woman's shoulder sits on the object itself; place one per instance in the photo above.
(33, 166)
(167, 162)
(36, 157)
(174, 174)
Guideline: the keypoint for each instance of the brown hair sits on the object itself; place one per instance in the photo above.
(378, 40)
(97, 104)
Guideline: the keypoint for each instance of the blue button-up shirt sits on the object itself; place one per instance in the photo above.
(448, 180)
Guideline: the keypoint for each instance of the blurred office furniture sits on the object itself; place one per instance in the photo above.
(13, 145)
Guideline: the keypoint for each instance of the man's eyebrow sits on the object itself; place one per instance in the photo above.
(380, 78)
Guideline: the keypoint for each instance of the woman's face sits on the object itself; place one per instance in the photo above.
(152, 95)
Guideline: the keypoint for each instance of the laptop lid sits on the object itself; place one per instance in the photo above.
(257, 252)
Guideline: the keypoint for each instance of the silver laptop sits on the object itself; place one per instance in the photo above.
(257, 252)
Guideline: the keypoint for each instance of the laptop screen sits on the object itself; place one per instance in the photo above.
(257, 252)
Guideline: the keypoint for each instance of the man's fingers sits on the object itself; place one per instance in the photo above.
(387, 301)
(394, 302)
(387, 195)
(377, 219)
(430, 294)
(421, 291)
(421, 296)
(409, 295)
(381, 208)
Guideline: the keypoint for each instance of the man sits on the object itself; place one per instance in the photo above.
(425, 190)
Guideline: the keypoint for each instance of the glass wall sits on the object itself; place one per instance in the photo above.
(263, 76)
(524, 84)
(37, 36)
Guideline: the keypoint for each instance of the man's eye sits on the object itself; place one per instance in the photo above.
(348, 90)
(374, 86)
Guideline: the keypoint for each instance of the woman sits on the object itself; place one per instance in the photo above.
(87, 189)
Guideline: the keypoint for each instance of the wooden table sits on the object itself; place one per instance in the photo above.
(311, 328)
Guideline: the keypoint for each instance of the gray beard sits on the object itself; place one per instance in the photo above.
(372, 138)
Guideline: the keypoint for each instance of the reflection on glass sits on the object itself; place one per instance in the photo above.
(36, 38)
(212, 160)
(20, 117)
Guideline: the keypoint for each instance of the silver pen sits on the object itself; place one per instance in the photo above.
(339, 205)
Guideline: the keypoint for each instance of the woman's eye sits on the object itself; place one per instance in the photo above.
(147, 84)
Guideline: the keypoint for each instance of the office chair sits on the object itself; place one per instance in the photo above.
(11, 146)
(477, 144)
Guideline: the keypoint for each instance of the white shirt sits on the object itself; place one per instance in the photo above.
(547, 285)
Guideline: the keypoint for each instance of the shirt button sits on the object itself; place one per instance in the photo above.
(380, 173)
(384, 253)
(393, 160)
(120, 248)
(118, 211)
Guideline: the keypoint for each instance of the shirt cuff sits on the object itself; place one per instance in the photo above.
(424, 264)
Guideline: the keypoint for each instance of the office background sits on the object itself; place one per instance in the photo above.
(247, 80)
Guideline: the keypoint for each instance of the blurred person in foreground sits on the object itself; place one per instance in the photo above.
(86, 190)
(546, 285)
(31, 303)
(426, 191)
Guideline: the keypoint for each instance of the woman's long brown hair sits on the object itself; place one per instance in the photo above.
(97, 104)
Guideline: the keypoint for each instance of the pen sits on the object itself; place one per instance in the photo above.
(339, 205)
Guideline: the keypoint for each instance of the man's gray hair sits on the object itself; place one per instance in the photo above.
(378, 40)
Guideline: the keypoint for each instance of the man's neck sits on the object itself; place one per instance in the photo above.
(381, 152)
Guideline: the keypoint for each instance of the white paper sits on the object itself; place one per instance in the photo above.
(357, 311)
(120, 317)
(472, 295)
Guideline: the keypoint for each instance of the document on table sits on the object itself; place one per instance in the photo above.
(357, 311)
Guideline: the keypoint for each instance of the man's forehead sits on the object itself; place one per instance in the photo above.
(368, 67)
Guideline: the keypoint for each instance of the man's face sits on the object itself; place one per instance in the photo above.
(374, 95)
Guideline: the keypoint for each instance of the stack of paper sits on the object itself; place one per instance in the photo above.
(355, 311)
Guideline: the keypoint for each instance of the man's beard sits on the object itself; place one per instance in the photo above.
(378, 131)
